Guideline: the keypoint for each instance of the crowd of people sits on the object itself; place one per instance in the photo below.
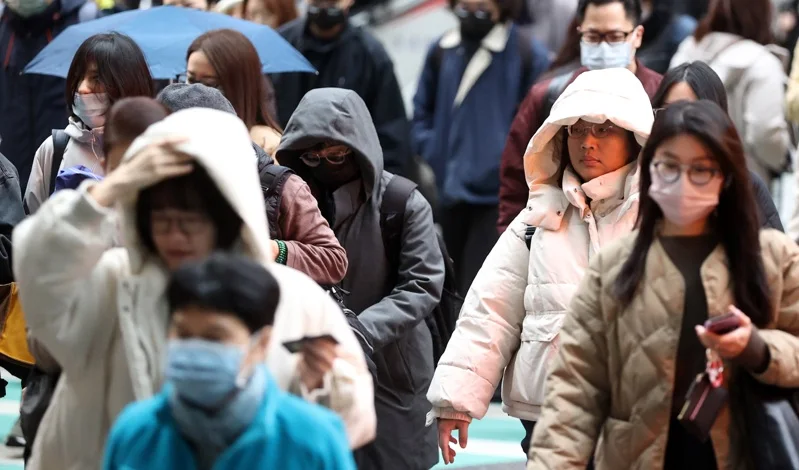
(237, 270)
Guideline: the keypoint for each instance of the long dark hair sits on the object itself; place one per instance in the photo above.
(238, 66)
(736, 221)
(121, 68)
(750, 19)
(702, 79)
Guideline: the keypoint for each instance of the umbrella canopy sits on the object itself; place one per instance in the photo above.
(165, 34)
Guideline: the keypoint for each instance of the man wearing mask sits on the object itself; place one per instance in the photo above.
(611, 34)
(473, 80)
(346, 57)
(32, 105)
(331, 142)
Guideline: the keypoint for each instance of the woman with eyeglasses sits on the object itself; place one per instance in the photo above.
(226, 60)
(694, 81)
(582, 172)
(646, 372)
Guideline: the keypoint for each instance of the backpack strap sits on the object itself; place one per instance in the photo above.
(554, 90)
(60, 141)
(273, 177)
(392, 216)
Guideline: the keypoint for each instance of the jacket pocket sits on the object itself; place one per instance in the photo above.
(615, 442)
(532, 362)
(393, 370)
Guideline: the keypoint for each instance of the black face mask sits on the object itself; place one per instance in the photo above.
(326, 18)
(475, 25)
(336, 176)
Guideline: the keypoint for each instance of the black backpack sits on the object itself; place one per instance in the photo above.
(273, 177)
(442, 319)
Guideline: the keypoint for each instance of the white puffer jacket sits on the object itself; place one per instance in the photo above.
(516, 305)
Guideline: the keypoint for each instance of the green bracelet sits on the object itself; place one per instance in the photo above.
(283, 252)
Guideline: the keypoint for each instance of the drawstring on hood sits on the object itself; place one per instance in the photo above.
(614, 95)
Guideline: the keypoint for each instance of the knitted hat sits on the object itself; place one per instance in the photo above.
(179, 96)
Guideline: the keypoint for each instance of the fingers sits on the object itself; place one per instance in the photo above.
(444, 438)
(707, 338)
(745, 320)
(463, 433)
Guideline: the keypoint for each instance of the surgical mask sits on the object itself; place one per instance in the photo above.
(91, 108)
(683, 202)
(205, 374)
(475, 25)
(606, 56)
(326, 18)
(28, 8)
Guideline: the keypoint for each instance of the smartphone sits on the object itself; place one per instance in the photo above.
(723, 324)
(296, 345)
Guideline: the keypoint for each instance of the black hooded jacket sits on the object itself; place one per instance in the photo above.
(355, 60)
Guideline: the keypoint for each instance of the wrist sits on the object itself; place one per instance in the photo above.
(282, 252)
(104, 193)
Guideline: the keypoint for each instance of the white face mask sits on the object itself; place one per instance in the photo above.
(683, 202)
(91, 108)
(28, 8)
(606, 56)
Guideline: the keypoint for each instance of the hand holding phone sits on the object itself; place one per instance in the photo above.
(723, 324)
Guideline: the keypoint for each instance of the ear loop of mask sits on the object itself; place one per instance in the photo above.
(244, 375)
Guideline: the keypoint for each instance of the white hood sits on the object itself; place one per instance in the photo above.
(220, 142)
(595, 96)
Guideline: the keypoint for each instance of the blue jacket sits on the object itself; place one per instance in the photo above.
(287, 434)
(463, 141)
(32, 106)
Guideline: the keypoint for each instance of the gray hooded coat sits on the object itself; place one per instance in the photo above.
(391, 306)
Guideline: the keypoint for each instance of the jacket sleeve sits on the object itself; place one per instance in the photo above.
(783, 338)
(61, 276)
(419, 283)
(387, 107)
(336, 455)
(765, 131)
(424, 108)
(36, 192)
(11, 213)
(792, 93)
(312, 246)
(487, 334)
(513, 189)
(769, 215)
(578, 389)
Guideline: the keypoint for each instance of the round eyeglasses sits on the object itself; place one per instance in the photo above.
(698, 174)
(600, 131)
(333, 155)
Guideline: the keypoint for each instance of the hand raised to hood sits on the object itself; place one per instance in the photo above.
(152, 164)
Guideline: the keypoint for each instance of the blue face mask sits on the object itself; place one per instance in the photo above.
(606, 56)
(204, 373)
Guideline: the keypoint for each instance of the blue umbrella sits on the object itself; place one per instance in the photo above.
(164, 34)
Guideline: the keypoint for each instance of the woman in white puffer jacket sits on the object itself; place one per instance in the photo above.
(581, 167)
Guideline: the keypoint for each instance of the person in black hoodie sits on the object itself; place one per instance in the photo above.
(346, 57)
(32, 105)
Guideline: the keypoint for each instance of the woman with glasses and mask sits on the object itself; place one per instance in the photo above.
(226, 60)
(694, 81)
(632, 379)
(105, 69)
(582, 172)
